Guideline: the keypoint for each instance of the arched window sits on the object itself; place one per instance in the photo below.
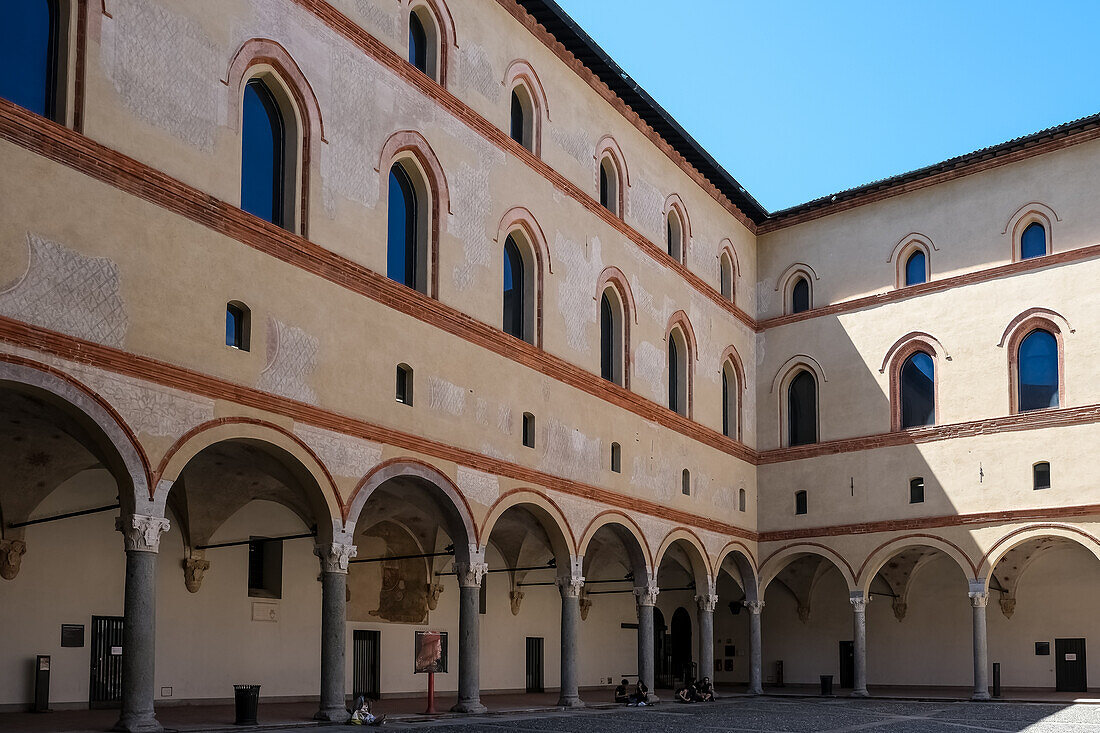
(1037, 371)
(800, 295)
(528, 430)
(740, 500)
(731, 389)
(674, 230)
(1040, 475)
(264, 155)
(916, 268)
(522, 122)
(1033, 242)
(685, 483)
(677, 372)
(918, 391)
(800, 502)
(423, 51)
(726, 276)
(30, 56)
(405, 255)
(916, 490)
(404, 384)
(616, 458)
(802, 410)
(611, 338)
(238, 325)
(609, 186)
(515, 291)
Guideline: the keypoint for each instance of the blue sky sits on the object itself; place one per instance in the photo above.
(802, 99)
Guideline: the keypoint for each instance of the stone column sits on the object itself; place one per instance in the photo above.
(141, 535)
(334, 587)
(706, 603)
(859, 643)
(756, 686)
(570, 587)
(470, 575)
(978, 600)
(646, 596)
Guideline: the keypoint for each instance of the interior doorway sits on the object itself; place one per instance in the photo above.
(847, 665)
(1069, 665)
(535, 664)
(105, 690)
(366, 663)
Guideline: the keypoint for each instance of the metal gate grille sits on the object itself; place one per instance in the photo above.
(366, 661)
(106, 674)
(534, 664)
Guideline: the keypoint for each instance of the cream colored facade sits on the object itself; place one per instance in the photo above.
(123, 242)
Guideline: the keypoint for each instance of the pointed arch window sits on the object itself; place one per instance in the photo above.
(731, 389)
(515, 290)
(607, 340)
(405, 248)
(674, 231)
(802, 409)
(1037, 371)
(800, 296)
(423, 44)
(916, 268)
(31, 56)
(918, 391)
(609, 186)
(522, 119)
(1033, 242)
(726, 276)
(677, 372)
(263, 155)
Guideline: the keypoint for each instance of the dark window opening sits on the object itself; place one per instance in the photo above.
(1033, 242)
(800, 296)
(1040, 474)
(529, 430)
(800, 502)
(741, 500)
(616, 458)
(685, 483)
(30, 55)
(916, 490)
(728, 403)
(916, 270)
(673, 375)
(402, 257)
(263, 155)
(265, 568)
(802, 410)
(514, 293)
(237, 326)
(918, 391)
(1037, 367)
(404, 379)
(727, 277)
(607, 339)
(418, 44)
(518, 127)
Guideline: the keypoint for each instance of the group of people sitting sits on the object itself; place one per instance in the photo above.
(692, 691)
(637, 698)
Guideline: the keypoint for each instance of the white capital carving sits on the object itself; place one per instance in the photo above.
(979, 600)
(470, 573)
(859, 602)
(646, 595)
(570, 585)
(755, 607)
(707, 602)
(140, 532)
(334, 557)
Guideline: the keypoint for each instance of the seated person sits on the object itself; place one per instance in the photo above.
(706, 690)
(641, 694)
(686, 693)
(621, 695)
(362, 714)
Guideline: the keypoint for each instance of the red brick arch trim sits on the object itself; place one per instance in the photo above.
(904, 249)
(615, 516)
(445, 27)
(1031, 212)
(726, 247)
(917, 539)
(909, 345)
(798, 361)
(931, 341)
(1020, 328)
(736, 547)
(731, 356)
(612, 277)
(607, 147)
(520, 72)
(675, 203)
(798, 549)
(991, 558)
(912, 238)
(698, 556)
(530, 497)
(264, 51)
(411, 144)
(679, 320)
(522, 220)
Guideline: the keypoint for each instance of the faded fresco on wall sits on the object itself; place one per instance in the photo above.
(388, 590)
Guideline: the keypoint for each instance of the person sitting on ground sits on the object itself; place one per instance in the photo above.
(621, 695)
(641, 694)
(706, 690)
(362, 714)
(686, 693)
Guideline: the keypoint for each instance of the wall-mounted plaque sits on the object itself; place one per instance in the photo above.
(72, 634)
(1042, 648)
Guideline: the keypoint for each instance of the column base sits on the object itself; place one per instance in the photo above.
(756, 690)
(981, 696)
(570, 702)
(859, 693)
(332, 715)
(471, 707)
(146, 723)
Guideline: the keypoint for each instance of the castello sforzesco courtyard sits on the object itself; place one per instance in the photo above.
(352, 349)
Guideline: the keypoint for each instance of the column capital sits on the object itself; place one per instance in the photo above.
(140, 532)
(707, 602)
(755, 607)
(335, 556)
(470, 573)
(859, 601)
(570, 586)
(646, 595)
(978, 599)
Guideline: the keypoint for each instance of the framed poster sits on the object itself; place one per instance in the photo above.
(429, 651)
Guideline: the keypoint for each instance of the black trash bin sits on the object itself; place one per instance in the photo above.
(826, 684)
(247, 699)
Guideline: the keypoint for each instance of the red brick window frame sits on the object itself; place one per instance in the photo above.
(790, 277)
(732, 367)
(1033, 212)
(412, 151)
(728, 270)
(265, 59)
(905, 347)
(781, 385)
(521, 76)
(438, 22)
(609, 152)
(676, 219)
(679, 328)
(904, 249)
(612, 281)
(1035, 319)
(520, 224)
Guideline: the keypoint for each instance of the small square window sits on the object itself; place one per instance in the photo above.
(529, 430)
(265, 568)
(916, 490)
(404, 384)
(1040, 473)
(237, 325)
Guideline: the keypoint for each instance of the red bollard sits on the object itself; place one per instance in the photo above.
(431, 694)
